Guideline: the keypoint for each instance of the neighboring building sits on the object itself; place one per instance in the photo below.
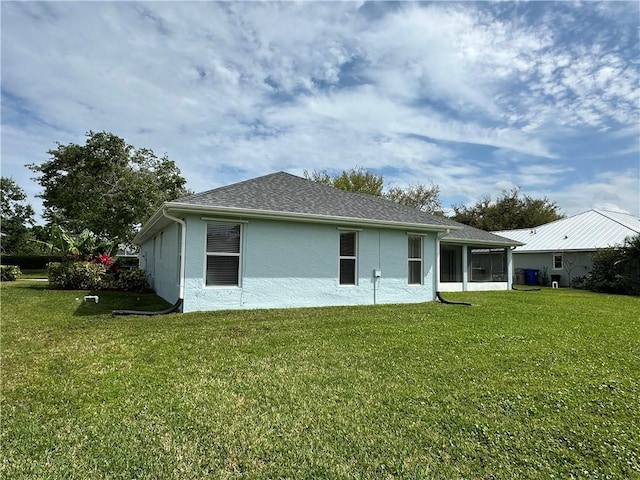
(126, 251)
(285, 241)
(563, 249)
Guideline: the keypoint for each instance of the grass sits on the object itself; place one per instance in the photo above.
(33, 274)
(520, 385)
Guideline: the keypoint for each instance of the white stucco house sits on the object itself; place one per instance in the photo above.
(284, 241)
(563, 248)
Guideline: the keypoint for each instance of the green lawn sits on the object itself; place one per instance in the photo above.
(520, 385)
(33, 274)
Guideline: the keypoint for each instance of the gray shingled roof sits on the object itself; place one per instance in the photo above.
(284, 193)
(470, 234)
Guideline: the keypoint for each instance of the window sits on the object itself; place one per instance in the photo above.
(557, 261)
(348, 258)
(450, 263)
(415, 260)
(223, 254)
(488, 264)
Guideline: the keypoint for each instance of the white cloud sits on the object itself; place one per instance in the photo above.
(609, 190)
(234, 90)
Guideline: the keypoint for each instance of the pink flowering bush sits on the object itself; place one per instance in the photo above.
(87, 265)
(101, 273)
(107, 261)
(104, 259)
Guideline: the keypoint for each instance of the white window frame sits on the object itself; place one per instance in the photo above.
(208, 254)
(553, 261)
(411, 260)
(348, 257)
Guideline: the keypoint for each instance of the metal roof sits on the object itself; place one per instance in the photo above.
(589, 230)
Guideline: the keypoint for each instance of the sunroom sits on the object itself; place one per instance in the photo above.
(474, 260)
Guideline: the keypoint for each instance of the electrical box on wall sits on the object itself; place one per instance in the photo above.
(377, 273)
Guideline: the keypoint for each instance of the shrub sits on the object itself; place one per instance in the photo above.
(95, 276)
(132, 281)
(9, 273)
(580, 282)
(616, 270)
(78, 275)
(104, 259)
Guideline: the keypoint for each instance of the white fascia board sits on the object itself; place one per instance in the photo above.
(303, 217)
(470, 242)
(146, 226)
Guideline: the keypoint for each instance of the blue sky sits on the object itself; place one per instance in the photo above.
(474, 97)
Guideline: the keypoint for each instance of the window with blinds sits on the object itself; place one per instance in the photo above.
(415, 260)
(348, 257)
(223, 254)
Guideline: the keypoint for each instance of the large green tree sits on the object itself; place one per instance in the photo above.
(422, 197)
(511, 210)
(354, 180)
(106, 185)
(360, 180)
(17, 217)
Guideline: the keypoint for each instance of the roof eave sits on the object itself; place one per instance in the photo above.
(146, 226)
(184, 208)
(560, 250)
(470, 241)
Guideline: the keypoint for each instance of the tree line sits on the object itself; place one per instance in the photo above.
(510, 210)
(109, 188)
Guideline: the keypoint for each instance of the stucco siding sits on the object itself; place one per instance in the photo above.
(575, 264)
(159, 258)
(289, 264)
(282, 250)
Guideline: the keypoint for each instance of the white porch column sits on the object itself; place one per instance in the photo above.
(437, 275)
(509, 268)
(465, 268)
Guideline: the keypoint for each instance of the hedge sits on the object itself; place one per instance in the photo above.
(29, 262)
(40, 262)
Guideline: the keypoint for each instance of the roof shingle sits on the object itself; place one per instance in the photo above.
(285, 193)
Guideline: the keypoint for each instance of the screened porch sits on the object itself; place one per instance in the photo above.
(465, 267)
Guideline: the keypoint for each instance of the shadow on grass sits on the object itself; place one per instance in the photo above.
(34, 286)
(113, 300)
(108, 300)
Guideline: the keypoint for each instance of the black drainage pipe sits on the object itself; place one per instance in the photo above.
(447, 302)
(525, 289)
(174, 308)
